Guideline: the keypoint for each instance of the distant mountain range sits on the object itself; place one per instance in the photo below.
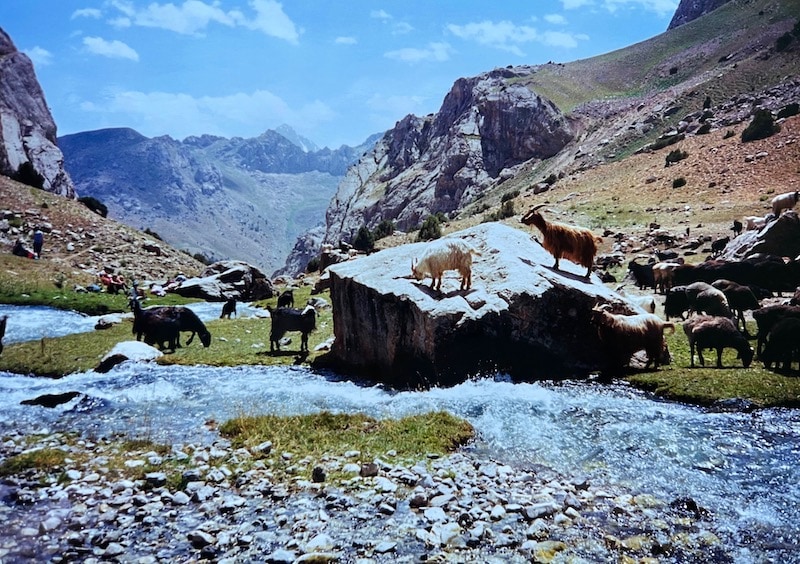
(245, 199)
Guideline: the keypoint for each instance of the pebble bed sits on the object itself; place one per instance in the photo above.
(224, 504)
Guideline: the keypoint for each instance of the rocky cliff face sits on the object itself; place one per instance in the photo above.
(486, 126)
(28, 150)
(689, 10)
(244, 199)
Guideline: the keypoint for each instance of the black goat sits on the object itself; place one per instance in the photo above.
(3, 321)
(642, 275)
(287, 319)
(719, 245)
(228, 308)
(156, 326)
(767, 317)
(286, 299)
(737, 227)
(740, 299)
(783, 344)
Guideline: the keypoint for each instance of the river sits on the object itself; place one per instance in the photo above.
(743, 467)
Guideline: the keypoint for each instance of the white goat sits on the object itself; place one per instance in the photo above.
(442, 255)
(784, 202)
(647, 303)
(663, 274)
(754, 222)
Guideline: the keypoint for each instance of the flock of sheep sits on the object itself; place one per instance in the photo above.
(710, 298)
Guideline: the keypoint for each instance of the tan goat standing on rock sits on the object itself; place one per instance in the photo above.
(577, 244)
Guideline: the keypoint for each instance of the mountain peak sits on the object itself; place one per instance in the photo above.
(306, 145)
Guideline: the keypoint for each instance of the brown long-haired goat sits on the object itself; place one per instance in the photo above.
(577, 244)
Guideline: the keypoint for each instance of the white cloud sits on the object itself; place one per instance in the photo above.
(660, 7)
(40, 56)
(345, 41)
(380, 15)
(181, 115)
(434, 52)
(193, 17)
(86, 13)
(112, 49)
(510, 37)
(401, 28)
(555, 19)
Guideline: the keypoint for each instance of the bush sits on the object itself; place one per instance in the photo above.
(707, 103)
(675, 155)
(728, 134)
(313, 265)
(384, 229)
(94, 204)
(678, 182)
(762, 126)
(704, 129)
(506, 210)
(509, 195)
(200, 257)
(26, 174)
(789, 110)
(365, 240)
(550, 180)
(153, 234)
(783, 42)
(431, 228)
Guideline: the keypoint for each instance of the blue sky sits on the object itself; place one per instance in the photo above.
(334, 71)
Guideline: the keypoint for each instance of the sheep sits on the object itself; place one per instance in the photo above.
(442, 255)
(715, 332)
(754, 222)
(623, 335)
(783, 344)
(577, 244)
(286, 319)
(642, 274)
(696, 297)
(783, 202)
(286, 299)
(767, 317)
(228, 308)
(740, 299)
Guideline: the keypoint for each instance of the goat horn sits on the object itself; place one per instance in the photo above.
(536, 207)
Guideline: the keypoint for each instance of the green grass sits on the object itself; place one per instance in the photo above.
(705, 385)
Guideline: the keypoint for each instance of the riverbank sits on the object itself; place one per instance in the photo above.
(233, 506)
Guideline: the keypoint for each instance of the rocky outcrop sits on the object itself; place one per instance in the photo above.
(780, 238)
(520, 317)
(227, 279)
(441, 162)
(28, 150)
(689, 10)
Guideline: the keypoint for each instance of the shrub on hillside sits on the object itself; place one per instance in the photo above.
(506, 210)
(789, 110)
(783, 42)
(94, 204)
(313, 265)
(674, 156)
(153, 234)
(762, 126)
(431, 229)
(365, 240)
(509, 195)
(704, 129)
(384, 229)
(26, 174)
(678, 182)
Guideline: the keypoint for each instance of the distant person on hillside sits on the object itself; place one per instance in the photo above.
(38, 241)
(20, 250)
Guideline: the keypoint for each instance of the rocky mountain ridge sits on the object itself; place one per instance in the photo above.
(246, 199)
(28, 149)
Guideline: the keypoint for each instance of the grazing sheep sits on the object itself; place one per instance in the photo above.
(286, 299)
(783, 344)
(642, 274)
(696, 297)
(577, 244)
(228, 308)
(767, 317)
(715, 332)
(624, 335)
(285, 319)
(442, 255)
(740, 299)
(754, 222)
(784, 202)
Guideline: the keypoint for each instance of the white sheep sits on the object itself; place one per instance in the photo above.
(784, 202)
(623, 335)
(442, 255)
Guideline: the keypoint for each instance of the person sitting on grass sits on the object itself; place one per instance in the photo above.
(20, 250)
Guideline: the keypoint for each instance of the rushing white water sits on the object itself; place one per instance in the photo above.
(745, 468)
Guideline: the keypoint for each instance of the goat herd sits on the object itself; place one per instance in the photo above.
(161, 325)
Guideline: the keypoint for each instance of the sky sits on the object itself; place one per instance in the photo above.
(335, 71)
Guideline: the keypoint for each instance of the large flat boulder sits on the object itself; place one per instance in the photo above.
(520, 317)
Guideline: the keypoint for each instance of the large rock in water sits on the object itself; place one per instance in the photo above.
(520, 317)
